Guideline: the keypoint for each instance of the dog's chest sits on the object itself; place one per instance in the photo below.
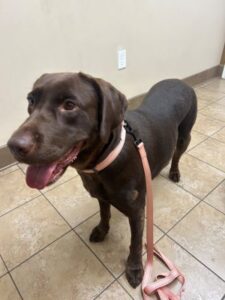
(94, 187)
(122, 196)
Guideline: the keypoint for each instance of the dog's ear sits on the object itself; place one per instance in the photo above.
(112, 105)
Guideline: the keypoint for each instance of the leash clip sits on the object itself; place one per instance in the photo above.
(130, 131)
(137, 142)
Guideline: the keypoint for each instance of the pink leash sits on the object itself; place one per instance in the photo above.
(160, 285)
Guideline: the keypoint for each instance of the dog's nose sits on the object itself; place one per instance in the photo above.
(21, 145)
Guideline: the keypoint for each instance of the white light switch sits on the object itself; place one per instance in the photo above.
(122, 59)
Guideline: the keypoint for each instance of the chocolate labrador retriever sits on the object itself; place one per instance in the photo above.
(76, 120)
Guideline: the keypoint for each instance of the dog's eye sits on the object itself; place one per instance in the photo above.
(31, 100)
(69, 105)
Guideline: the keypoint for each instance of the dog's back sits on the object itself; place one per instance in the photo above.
(169, 98)
(165, 117)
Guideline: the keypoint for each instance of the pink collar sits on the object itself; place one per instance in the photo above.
(111, 157)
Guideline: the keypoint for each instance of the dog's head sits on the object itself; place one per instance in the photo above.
(70, 114)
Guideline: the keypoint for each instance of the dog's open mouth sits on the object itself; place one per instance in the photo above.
(40, 176)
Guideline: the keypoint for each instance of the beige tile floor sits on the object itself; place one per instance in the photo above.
(44, 249)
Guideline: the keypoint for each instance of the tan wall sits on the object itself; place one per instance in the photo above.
(174, 38)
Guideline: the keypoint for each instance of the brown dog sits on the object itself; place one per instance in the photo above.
(76, 120)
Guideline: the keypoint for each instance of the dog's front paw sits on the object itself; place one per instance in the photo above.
(98, 234)
(134, 274)
(174, 176)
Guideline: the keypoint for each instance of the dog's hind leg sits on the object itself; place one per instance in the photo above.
(182, 144)
(184, 138)
(99, 232)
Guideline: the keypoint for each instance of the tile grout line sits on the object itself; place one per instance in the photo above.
(208, 104)
(81, 239)
(206, 88)
(163, 231)
(180, 186)
(214, 138)
(207, 163)
(192, 255)
(181, 219)
(59, 184)
(9, 166)
(206, 82)
(10, 275)
(46, 246)
(32, 198)
(7, 271)
(106, 288)
(213, 89)
(213, 207)
(73, 230)
(189, 149)
(120, 276)
(209, 117)
(114, 276)
(92, 251)
(28, 201)
(40, 250)
(212, 80)
(207, 137)
(213, 189)
(201, 200)
(212, 135)
(126, 289)
(16, 286)
(82, 222)
(219, 120)
(2, 175)
(221, 97)
(58, 212)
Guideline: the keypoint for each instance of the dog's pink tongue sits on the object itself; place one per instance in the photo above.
(39, 176)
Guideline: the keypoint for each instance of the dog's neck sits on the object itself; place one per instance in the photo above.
(98, 151)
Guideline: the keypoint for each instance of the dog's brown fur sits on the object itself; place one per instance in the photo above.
(164, 122)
